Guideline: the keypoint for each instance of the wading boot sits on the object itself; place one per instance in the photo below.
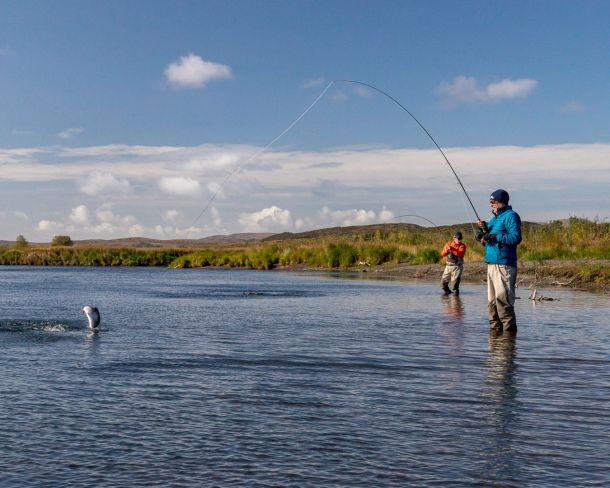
(446, 289)
(456, 290)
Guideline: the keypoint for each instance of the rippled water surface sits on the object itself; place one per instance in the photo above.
(243, 378)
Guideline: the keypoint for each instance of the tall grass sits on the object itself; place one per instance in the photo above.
(575, 238)
(572, 239)
(69, 256)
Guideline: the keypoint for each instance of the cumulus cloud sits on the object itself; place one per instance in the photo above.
(98, 183)
(385, 214)
(15, 215)
(216, 218)
(315, 83)
(362, 91)
(136, 230)
(49, 225)
(171, 215)
(215, 189)
(465, 89)
(172, 232)
(106, 214)
(178, 185)
(70, 133)
(271, 219)
(572, 106)
(80, 215)
(338, 96)
(360, 179)
(220, 161)
(192, 71)
(347, 217)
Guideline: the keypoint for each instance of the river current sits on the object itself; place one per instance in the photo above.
(206, 377)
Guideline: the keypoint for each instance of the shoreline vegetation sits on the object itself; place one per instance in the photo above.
(573, 252)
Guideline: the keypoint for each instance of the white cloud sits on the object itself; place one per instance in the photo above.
(80, 215)
(216, 218)
(70, 133)
(192, 71)
(16, 214)
(215, 189)
(221, 161)
(271, 219)
(302, 224)
(171, 232)
(136, 230)
(104, 183)
(360, 179)
(49, 225)
(315, 83)
(179, 185)
(362, 91)
(171, 215)
(573, 106)
(385, 214)
(105, 214)
(347, 217)
(467, 89)
(338, 96)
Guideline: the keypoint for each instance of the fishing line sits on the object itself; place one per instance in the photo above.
(313, 104)
(423, 128)
(261, 151)
(410, 215)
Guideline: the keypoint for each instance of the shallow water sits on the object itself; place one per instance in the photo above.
(244, 378)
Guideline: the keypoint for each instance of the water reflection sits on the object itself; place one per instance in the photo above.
(503, 404)
(454, 308)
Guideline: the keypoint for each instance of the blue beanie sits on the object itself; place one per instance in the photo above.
(499, 196)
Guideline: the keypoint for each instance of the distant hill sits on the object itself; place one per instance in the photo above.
(145, 242)
(249, 238)
(358, 230)
(332, 232)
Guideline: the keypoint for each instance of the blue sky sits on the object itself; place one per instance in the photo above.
(125, 117)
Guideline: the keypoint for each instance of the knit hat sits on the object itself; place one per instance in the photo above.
(499, 196)
(458, 235)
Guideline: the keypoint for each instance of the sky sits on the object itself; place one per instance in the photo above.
(184, 119)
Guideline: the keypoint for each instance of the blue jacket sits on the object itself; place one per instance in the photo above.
(506, 226)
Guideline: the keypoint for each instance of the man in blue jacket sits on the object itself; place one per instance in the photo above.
(500, 238)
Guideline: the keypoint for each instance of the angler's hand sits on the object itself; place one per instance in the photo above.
(488, 238)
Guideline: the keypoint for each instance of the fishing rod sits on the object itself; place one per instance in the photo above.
(422, 127)
(311, 106)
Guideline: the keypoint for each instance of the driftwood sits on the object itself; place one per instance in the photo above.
(541, 298)
(566, 283)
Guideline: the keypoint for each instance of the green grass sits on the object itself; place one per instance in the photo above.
(376, 245)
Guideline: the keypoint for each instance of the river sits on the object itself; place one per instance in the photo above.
(203, 377)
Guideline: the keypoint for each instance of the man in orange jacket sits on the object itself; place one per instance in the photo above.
(454, 251)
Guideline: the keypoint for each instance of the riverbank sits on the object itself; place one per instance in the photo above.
(589, 274)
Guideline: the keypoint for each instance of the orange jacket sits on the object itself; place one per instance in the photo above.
(458, 250)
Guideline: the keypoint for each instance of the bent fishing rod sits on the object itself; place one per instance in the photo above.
(318, 98)
(422, 127)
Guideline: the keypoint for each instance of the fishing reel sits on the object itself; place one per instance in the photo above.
(483, 233)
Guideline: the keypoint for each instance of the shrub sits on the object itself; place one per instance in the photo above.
(61, 241)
